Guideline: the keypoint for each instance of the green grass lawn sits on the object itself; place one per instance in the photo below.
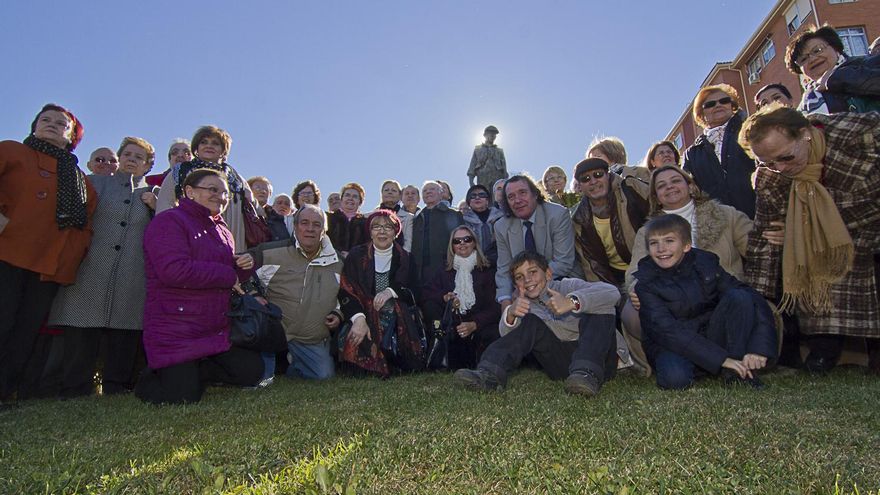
(418, 434)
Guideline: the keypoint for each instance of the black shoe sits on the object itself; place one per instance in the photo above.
(582, 383)
(818, 365)
(479, 379)
(731, 379)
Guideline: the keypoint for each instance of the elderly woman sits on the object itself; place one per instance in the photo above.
(411, 198)
(306, 192)
(662, 153)
(345, 226)
(554, 181)
(107, 300)
(612, 150)
(380, 336)
(261, 188)
(817, 224)
(190, 272)
(391, 195)
(280, 217)
(716, 161)
(178, 153)
(46, 207)
(210, 147)
(481, 216)
(468, 280)
(717, 228)
(834, 82)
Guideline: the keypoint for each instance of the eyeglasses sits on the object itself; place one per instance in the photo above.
(462, 240)
(721, 101)
(598, 174)
(382, 226)
(481, 195)
(101, 159)
(810, 54)
(213, 190)
(782, 159)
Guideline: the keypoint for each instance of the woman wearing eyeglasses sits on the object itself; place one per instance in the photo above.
(468, 280)
(716, 161)
(190, 269)
(379, 335)
(817, 225)
(835, 82)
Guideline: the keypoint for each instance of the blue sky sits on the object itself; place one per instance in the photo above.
(368, 90)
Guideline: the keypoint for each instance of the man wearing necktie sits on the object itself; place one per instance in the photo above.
(532, 224)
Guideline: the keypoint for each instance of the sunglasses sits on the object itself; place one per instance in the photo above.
(478, 195)
(721, 101)
(462, 240)
(598, 174)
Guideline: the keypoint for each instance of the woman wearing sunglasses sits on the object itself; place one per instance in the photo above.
(835, 81)
(815, 248)
(481, 217)
(716, 161)
(468, 280)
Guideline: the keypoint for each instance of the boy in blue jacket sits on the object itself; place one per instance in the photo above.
(696, 315)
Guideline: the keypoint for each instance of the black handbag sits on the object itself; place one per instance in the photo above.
(255, 326)
(438, 357)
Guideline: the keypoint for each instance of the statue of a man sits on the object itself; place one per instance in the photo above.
(488, 163)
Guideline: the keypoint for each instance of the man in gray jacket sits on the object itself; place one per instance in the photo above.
(568, 326)
(301, 275)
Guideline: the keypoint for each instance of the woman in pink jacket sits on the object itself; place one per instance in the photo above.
(190, 270)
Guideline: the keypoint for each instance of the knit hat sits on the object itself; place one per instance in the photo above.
(589, 164)
(75, 136)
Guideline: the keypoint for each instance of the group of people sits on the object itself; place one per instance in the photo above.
(759, 239)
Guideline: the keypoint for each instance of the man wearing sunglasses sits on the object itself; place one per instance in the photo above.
(716, 161)
(606, 220)
(531, 224)
(103, 161)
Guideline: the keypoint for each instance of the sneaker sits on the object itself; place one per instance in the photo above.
(582, 383)
(479, 379)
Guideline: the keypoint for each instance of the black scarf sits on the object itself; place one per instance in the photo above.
(70, 210)
(236, 189)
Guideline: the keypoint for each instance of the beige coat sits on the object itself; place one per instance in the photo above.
(721, 229)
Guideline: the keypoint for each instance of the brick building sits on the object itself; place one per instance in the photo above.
(762, 60)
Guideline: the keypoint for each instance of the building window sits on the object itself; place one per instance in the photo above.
(832, 2)
(678, 141)
(797, 14)
(855, 43)
(757, 64)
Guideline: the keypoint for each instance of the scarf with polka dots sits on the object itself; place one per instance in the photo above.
(72, 197)
(236, 188)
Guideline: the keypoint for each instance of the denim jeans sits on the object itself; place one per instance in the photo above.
(310, 361)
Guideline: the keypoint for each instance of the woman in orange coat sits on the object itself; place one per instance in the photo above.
(46, 206)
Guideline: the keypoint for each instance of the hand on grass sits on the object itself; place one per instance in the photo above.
(754, 361)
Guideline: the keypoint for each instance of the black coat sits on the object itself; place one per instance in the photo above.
(486, 312)
(854, 86)
(677, 304)
(276, 225)
(730, 181)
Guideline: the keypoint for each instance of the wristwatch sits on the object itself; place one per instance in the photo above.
(577, 304)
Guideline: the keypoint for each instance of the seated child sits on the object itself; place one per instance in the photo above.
(566, 325)
(696, 315)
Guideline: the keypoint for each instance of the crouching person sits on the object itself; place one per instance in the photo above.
(695, 315)
(566, 325)
(301, 275)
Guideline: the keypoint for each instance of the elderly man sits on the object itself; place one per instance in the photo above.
(301, 276)
(567, 325)
(531, 224)
(487, 163)
(430, 235)
(103, 161)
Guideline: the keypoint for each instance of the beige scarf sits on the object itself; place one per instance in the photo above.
(818, 248)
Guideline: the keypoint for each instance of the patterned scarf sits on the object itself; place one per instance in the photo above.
(236, 189)
(715, 135)
(70, 210)
(818, 248)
